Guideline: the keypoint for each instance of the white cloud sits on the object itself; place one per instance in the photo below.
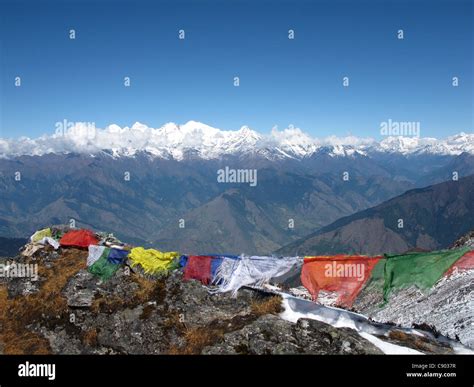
(211, 142)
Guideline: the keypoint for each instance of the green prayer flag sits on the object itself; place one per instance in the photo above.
(420, 269)
(103, 268)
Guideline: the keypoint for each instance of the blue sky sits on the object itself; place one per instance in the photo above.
(283, 81)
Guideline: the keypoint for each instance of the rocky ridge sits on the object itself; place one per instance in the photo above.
(69, 311)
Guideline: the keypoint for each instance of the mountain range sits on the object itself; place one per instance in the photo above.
(159, 186)
(195, 139)
(433, 217)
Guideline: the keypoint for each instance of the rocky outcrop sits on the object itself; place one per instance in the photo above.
(270, 335)
(466, 240)
(70, 311)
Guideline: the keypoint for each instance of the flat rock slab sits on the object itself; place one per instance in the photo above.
(270, 335)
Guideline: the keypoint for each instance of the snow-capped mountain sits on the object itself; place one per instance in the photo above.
(173, 170)
(172, 141)
(453, 145)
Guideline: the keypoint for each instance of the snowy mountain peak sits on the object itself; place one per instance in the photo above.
(195, 126)
(139, 126)
(177, 141)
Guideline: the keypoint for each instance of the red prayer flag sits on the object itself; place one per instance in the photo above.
(343, 275)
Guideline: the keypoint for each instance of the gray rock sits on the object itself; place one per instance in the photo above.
(80, 290)
(109, 318)
(272, 335)
(61, 342)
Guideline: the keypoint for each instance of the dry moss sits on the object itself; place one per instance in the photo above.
(269, 305)
(48, 303)
(147, 290)
(198, 338)
(89, 337)
(147, 311)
